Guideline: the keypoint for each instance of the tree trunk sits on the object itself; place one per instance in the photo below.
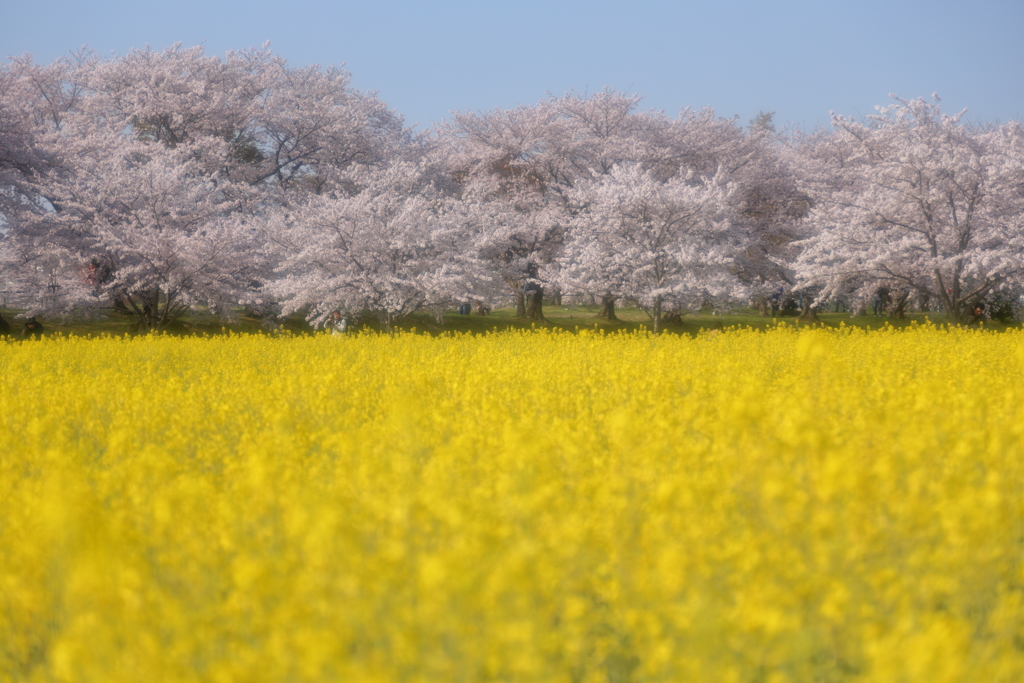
(556, 297)
(656, 316)
(808, 314)
(147, 308)
(607, 308)
(535, 304)
(520, 300)
(763, 309)
(387, 321)
(898, 308)
(923, 302)
(120, 306)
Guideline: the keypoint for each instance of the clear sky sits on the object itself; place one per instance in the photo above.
(797, 58)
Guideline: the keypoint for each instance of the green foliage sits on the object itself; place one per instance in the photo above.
(566, 318)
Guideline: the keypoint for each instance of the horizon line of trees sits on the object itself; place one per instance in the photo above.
(170, 181)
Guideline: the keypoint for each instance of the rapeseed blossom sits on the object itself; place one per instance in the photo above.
(829, 505)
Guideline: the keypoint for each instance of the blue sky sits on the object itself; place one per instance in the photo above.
(797, 58)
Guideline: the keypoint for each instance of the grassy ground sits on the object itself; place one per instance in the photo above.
(563, 317)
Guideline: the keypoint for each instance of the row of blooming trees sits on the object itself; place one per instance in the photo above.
(916, 201)
(164, 182)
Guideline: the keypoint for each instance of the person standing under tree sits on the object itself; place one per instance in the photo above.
(881, 301)
(978, 313)
(338, 323)
(33, 328)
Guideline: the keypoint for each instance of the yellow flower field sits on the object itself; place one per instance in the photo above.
(812, 505)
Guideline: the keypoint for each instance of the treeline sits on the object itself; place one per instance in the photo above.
(163, 182)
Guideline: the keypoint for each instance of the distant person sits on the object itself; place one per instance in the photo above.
(482, 308)
(96, 274)
(881, 300)
(33, 328)
(978, 313)
(338, 323)
(776, 299)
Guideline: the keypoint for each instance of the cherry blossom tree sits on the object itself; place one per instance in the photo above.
(508, 177)
(392, 246)
(18, 158)
(34, 101)
(145, 227)
(313, 127)
(291, 127)
(914, 201)
(766, 204)
(134, 208)
(659, 244)
(149, 170)
(519, 241)
(518, 168)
